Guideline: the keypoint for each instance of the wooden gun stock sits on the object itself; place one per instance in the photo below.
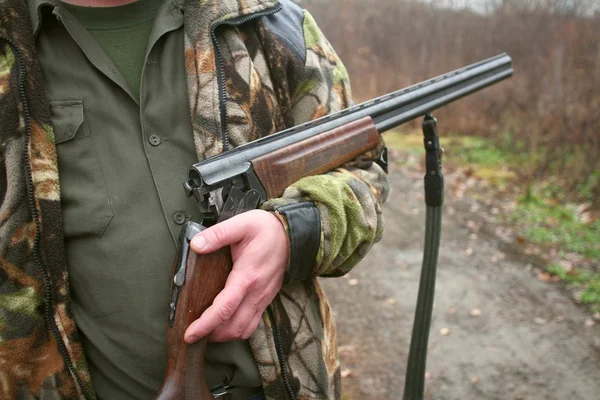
(205, 277)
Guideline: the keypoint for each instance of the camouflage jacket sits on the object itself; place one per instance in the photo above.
(254, 67)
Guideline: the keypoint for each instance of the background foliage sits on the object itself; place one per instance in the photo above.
(549, 111)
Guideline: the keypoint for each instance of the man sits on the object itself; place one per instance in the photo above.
(96, 137)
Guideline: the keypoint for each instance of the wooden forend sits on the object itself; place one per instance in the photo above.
(315, 155)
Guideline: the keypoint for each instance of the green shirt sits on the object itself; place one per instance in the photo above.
(122, 32)
(122, 161)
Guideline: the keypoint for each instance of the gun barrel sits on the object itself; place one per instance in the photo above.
(440, 91)
(387, 112)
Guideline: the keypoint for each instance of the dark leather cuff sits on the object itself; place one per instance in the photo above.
(304, 226)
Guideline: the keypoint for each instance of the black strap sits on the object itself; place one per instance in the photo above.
(434, 198)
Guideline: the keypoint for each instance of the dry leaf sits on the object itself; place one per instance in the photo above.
(474, 226)
(520, 240)
(476, 312)
(544, 277)
(589, 323)
(530, 250)
(567, 265)
(529, 267)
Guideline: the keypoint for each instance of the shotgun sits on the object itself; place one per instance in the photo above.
(243, 178)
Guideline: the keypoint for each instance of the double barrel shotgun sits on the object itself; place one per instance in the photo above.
(243, 178)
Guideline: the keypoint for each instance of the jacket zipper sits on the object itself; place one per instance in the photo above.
(279, 351)
(220, 62)
(38, 262)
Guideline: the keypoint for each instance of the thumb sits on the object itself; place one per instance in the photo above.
(222, 234)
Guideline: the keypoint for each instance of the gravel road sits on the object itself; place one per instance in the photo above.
(497, 331)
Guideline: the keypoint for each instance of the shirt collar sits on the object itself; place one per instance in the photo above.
(225, 8)
(35, 10)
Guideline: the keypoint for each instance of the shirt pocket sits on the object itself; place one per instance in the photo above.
(84, 196)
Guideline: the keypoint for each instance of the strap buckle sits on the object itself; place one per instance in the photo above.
(434, 179)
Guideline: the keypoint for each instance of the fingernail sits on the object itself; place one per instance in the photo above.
(191, 338)
(199, 242)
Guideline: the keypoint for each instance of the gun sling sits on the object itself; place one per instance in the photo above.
(434, 198)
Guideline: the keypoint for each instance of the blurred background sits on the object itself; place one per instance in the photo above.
(549, 110)
(518, 296)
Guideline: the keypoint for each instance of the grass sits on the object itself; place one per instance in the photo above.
(552, 222)
(488, 160)
(546, 214)
(588, 283)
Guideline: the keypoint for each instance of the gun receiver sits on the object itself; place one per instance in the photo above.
(243, 178)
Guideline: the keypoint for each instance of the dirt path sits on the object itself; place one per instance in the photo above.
(507, 334)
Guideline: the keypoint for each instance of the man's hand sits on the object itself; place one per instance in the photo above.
(259, 251)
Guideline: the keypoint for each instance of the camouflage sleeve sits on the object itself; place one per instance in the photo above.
(346, 202)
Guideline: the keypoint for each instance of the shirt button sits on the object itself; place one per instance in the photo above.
(179, 218)
(154, 140)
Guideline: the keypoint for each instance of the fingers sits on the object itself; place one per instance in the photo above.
(234, 314)
(222, 234)
(247, 317)
(240, 326)
(222, 309)
(260, 251)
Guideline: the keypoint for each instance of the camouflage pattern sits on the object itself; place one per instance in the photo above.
(349, 200)
(31, 245)
(269, 86)
(250, 103)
